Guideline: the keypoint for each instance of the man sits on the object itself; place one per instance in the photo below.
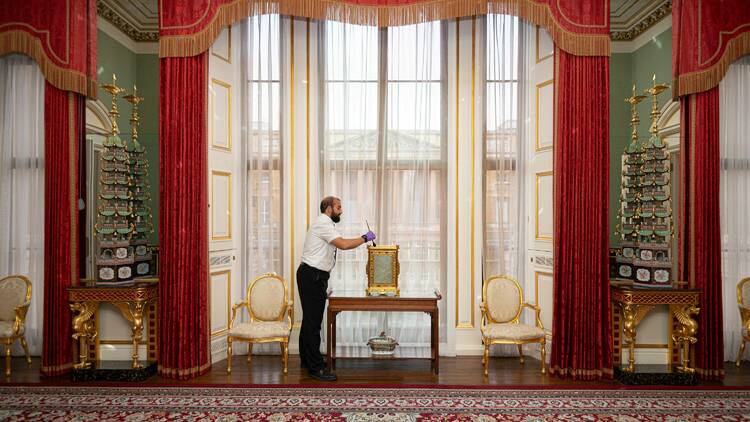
(318, 259)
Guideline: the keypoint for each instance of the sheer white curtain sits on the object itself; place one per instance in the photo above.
(264, 222)
(263, 193)
(734, 130)
(505, 82)
(503, 147)
(382, 151)
(22, 183)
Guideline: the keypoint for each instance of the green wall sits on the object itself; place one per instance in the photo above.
(626, 69)
(141, 70)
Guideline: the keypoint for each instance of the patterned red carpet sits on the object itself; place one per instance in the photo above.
(279, 403)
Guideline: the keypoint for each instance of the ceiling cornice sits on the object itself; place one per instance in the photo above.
(112, 11)
(644, 24)
(105, 11)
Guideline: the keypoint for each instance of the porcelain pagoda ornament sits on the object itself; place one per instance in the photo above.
(645, 222)
(122, 218)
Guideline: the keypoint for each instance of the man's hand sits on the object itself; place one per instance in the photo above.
(369, 236)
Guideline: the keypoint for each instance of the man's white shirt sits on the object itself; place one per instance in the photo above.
(318, 251)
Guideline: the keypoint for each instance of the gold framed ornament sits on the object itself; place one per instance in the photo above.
(382, 269)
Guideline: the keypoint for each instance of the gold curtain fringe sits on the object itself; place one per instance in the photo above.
(55, 370)
(65, 79)
(582, 373)
(710, 373)
(227, 14)
(703, 80)
(382, 16)
(196, 370)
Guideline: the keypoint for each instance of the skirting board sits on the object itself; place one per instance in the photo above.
(120, 351)
(647, 356)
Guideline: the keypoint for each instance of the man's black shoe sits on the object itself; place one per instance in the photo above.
(323, 375)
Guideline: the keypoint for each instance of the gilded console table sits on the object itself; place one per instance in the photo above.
(630, 305)
(132, 301)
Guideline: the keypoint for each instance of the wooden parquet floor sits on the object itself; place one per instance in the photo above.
(463, 370)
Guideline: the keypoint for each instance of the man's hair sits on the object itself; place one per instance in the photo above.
(327, 202)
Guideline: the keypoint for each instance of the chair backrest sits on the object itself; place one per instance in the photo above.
(743, 292)
(267, 298)
(503, 296)
(15, 290)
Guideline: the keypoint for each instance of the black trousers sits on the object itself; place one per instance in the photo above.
(312, 284)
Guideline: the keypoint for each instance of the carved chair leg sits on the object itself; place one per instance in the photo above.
(544, 356)
(229, 355)
(249, 352)
(740, 353)
(486, 358)
(285, 356)
(26, 350)
(520, 353)
(7, 359)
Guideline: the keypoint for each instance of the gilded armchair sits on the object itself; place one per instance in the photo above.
(502, 304)
(743, 302)
(15, 298)
(271, 315)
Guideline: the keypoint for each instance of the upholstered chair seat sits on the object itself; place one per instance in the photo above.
(512, 331)
(260, 330)
(15, 298)
(270, 313)
(502, 304)
(743, 303)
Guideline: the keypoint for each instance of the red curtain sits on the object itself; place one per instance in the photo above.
(700, 232)
(578, 26)
(63, 126)
(183, 218)
(707, 36)
(581, 333)
(59, 35)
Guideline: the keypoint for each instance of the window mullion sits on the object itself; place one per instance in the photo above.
(382, 119)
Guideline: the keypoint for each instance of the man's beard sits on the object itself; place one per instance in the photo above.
(336, 218)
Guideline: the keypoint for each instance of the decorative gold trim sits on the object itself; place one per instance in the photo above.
(458, 114)
(390, 287)
(536, 283)
(292, 273)
(229, 47)
(187, 372)
(536, 206)
(229, 301)
(383, 16)
(651, 346)
(703, 80)
(307, 139)
(228, 87)
(473, 156)
(537, 147)
(16, 41)
(73, 186)
(118, 342)
(536, 55)
(228, 175)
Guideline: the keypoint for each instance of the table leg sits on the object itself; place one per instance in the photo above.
(629, 333)
(435, 340)
(329, 317)
(333, 342)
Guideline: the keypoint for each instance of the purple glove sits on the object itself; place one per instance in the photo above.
(369, 236)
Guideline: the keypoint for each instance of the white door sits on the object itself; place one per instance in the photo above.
(225, 150)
